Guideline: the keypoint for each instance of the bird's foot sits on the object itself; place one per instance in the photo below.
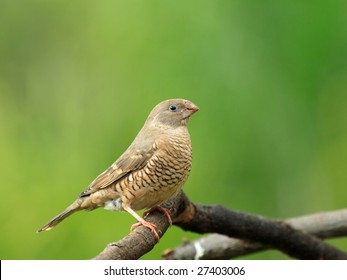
(149, 225)
(163, 210)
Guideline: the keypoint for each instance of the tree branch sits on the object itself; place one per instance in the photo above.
(216, 246)
(207, 219)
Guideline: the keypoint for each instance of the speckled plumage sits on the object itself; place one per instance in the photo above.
(152, 170)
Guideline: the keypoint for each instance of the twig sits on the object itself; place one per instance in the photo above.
(216, 246)
(208, 219)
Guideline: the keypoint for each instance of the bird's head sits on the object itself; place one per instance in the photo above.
(172, 113)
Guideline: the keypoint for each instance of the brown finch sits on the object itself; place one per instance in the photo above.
(152, 170)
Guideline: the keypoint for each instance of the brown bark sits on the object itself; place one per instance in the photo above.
(216, 219)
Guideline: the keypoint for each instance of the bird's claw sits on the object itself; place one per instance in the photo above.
(163, 210)
(152, 227)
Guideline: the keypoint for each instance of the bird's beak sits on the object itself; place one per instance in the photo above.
(192, 108)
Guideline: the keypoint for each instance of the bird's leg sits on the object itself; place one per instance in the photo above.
(163, 210)
(142, 222)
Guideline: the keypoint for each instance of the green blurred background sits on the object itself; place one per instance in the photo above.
(78, 79)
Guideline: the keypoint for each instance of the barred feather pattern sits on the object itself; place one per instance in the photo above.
(161, 178)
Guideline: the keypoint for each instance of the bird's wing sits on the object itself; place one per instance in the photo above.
(132, 159)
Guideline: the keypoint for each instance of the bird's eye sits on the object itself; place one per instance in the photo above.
(172, 108)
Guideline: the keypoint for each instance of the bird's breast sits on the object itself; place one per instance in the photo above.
(161, 178)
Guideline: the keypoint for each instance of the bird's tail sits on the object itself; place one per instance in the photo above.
(57, 219)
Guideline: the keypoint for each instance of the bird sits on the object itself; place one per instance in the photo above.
(152, 169)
